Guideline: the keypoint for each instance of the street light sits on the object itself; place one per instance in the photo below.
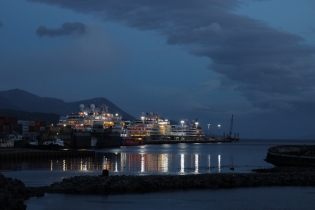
(182, 122)
(142, 118)
(219, 130)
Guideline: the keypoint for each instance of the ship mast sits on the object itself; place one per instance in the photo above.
(231, 127)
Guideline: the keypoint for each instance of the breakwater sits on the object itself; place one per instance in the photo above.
(13, 192)
(12, 153)
(153, 183)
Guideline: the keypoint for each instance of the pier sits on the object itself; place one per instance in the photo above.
(14, 153)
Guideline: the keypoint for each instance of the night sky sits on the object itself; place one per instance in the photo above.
(204, 59)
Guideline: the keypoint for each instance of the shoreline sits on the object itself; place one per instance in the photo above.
(13, 192)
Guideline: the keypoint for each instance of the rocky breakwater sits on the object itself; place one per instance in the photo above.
(13, 193)
(142, 184)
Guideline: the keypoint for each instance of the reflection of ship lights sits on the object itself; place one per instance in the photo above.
(116, 166)
(219, 163)
(83, 167)
(51, 165)
(123, 158)
(142, 163)
(196, 163)
(64, 165)
(104, 163)
(209, 162)
(165, 162)
(182, 163)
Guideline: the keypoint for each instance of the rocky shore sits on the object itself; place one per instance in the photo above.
(13, 192)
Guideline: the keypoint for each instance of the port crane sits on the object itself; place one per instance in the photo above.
(231, 127)
(236, 137)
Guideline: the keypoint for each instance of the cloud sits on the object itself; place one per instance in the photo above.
(92, 53)
(1, 25)
(271, 68)
(66, 29)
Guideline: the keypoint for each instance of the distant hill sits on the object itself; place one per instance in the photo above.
(31, 116)
(20, 100)
(6, 104)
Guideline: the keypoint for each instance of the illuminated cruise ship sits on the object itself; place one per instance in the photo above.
(91, 127)
(87, 117)
(187, 130)
(152, 127)
(149, 127)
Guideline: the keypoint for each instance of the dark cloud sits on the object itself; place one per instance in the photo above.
(66, 29)
(272, 68)
(1, 25)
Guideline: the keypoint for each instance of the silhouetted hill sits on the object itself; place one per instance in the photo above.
(6, 104)
(17, 99)
(29, 102)
(31, 116)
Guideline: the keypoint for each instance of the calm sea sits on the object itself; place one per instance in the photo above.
(165, 159)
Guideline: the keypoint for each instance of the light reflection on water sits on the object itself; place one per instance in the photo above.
(159, 163)
(148, 159)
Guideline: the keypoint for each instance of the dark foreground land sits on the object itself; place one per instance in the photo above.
(13, 192)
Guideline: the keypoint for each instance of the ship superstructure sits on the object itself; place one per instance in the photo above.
(96, 123)
(144, 128)
(89, 117)
(151, 127)
(91, 127)
(187, 130)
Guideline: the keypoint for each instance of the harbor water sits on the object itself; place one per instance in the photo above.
(180, 159)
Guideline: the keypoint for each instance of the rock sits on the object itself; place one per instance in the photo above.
(13, 193)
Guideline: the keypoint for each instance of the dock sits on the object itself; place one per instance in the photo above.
(19, 153)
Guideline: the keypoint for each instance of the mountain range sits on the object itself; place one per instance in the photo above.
(27, 106)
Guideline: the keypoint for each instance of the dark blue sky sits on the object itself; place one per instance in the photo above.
(185, 59)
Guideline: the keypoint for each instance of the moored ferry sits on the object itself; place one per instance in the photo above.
(90, 127)
(187, 130)
(151, 127)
